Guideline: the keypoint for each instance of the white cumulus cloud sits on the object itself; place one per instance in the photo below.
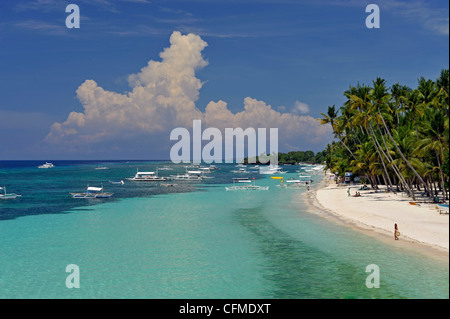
(300, 108)
(163, 97)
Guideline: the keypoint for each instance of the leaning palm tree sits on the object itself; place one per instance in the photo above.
(330, 118)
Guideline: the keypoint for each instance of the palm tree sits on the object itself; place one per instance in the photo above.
(330, 118)
(434, 141)
(399, 135)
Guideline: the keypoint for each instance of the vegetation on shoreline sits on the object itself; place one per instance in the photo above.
(396, 136)
(293, 158)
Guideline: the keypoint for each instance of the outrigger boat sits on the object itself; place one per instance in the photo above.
(147, 177)
(92, 192)
(165, 168)
(303, 181)
(246, 185)
(7, 196)
(241, 171)
(188, 176)
(117, 182)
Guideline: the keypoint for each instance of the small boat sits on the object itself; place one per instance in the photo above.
(271, 169)
(205, 170)
(188, 176)
(92, 192)
(117, 182)
(7, 196)
(246, 185)
(46, 165)
(165, 168)
(241, 171)
(101, 167)
(147, 177)
(302, 181)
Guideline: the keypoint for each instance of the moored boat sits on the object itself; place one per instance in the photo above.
(46, 165)
(244, 184)
(7, 196)
(147, 177)
(92, 192)
(188, 176)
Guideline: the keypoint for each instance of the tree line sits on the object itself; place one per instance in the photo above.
(394, 136)
(293, 158)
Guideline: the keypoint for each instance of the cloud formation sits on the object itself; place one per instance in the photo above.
(300, 107)
(163, 97)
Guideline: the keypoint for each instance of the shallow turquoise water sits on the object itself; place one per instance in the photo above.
(206, 243)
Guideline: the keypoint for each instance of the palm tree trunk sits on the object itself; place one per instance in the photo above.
(441, 175)
(400, 152)
(380, 151)
(391, 160)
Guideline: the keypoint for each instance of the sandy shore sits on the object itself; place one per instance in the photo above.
(379, 211)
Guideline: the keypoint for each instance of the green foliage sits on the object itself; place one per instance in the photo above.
(296, 157)
(393, 135)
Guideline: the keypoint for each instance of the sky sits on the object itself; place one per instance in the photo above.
(135, 70)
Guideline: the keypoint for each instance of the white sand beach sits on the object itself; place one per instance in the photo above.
(379, 211)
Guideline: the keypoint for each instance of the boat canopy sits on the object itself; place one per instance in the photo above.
(95, 189)
(194, 172)
(145, 173)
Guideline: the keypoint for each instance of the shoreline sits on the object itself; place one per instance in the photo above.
(422, 228)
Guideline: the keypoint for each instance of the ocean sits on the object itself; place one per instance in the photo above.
(192, 240)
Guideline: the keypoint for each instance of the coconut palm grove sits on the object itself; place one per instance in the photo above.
(394, 136)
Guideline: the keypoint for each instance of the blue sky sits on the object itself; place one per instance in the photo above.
(284, 61)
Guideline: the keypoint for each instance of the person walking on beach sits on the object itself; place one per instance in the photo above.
(348, 192)
(396, 232)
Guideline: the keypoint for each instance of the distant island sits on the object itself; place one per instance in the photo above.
(292, 158)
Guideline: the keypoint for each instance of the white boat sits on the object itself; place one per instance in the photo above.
(92, 192)
(147, 177)
(188, 176)
(241, 171)
(165, 168)
(205, 170)
(271, 169)
(244, 184)
(213, 167)
(302, 181)
(117, 182)
(46, 165)
(7, 196)
(101, 167)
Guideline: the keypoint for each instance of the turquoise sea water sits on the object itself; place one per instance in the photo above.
(194, 240)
